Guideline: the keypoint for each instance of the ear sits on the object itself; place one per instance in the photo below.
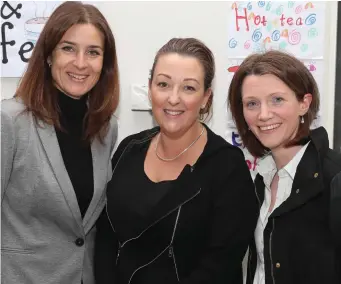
(305, 104)
(49, 60)
(207, 95)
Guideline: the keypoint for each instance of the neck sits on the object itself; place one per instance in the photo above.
(171, 145)
(68, 95)
(283, 155)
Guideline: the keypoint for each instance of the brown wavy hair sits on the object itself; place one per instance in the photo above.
(197, 49)
(293, 73)
(36, 87)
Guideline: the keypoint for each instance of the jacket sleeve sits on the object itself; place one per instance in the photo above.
(106, 243)
(234, 220)
(335, 209)
(105, 251)
(7, 150)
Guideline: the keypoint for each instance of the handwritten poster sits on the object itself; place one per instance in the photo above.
(21, 24)
(296, 27)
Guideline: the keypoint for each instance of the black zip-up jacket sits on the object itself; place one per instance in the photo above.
(299, 246)
(197, 233)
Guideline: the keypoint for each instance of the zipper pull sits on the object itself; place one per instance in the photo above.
(118, 255)
(170, 252)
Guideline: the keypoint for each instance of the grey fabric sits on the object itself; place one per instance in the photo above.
(40, 217)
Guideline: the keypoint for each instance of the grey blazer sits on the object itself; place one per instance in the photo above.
(43, 237)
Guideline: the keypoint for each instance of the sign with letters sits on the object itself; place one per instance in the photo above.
(21, 24)
(296, 27)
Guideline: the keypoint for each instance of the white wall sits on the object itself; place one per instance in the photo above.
(141, 28)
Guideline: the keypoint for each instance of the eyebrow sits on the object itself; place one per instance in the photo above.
(192, 79)
(269, 95)
(73, 43)
(186, 79)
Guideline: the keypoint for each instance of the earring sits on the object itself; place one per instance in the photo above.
(302, 119)
(49, 64)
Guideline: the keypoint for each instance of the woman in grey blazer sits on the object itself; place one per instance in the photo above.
(57, 136)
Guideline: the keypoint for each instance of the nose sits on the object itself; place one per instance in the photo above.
(265, 113)
(174, 97)
(80, 61)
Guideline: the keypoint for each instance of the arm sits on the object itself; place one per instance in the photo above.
(106, 240)
(105, 251)
(335, 209)
(235, 213)
(7, 150)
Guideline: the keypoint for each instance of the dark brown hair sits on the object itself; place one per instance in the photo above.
(36, 87)
(197, 49)
(288, 69)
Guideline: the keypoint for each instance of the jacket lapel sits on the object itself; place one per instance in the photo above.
(49, 142)
(308, 182)
(100, 169)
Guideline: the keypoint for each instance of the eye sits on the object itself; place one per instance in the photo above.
(189, 88)
(93, 53)
(68, 48)
(277, 100)
(252, 104)
(162, 84)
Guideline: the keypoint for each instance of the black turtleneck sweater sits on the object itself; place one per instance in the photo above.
(76, 153)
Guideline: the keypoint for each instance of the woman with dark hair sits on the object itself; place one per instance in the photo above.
(181, 205)
(274, 99)
(57, 136)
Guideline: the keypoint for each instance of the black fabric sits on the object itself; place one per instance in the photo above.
(150, 192)
(76, 153)
(299, 247)
(210, 209)
(335, 209)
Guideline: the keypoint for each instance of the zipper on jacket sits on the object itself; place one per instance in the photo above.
(171, 250)
(259, 204)
(170, 244)
(270, 246)
(171, 254)
(111, 225)
(119, 243)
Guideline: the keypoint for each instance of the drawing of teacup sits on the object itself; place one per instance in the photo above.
(33, 28)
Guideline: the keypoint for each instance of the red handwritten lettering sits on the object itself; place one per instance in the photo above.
(238, 17)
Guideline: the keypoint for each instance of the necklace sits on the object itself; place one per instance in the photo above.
(177, 156)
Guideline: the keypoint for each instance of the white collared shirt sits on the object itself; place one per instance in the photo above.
(267, 169)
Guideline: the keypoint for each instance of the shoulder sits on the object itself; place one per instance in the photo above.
(140, 136)
(12, 107)
(13, 115)
(222, 151)
(113, 127)
(332, 163)
(134, 138)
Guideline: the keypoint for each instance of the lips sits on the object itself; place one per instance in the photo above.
(269, 127)
(77, 77)
(173, 112)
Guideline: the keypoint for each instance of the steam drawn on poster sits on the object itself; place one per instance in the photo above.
(269, 25)
(34, 26)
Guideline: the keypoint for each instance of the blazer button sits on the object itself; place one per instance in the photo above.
(278, 265)
(79, 242)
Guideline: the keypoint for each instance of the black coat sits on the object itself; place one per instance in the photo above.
(197, 233)
(298, 244)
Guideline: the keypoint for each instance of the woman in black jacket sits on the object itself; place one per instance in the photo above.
(181, 205)
(274, 100)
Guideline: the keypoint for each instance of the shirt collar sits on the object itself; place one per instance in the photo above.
(291, 167)
(267, 166)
